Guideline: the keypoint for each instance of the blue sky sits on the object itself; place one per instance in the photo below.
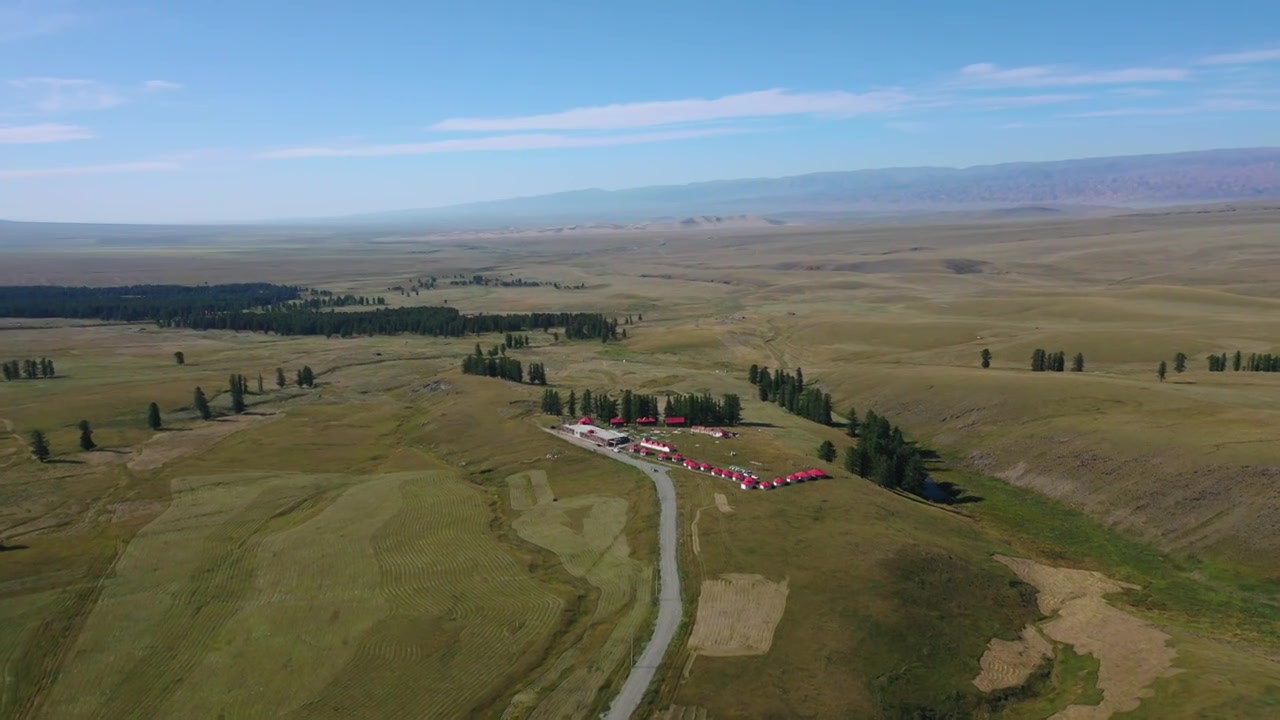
(150, 111)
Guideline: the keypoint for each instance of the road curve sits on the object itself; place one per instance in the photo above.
(670, 606)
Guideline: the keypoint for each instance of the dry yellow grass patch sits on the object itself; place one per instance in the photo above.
(722, 502)
(737, 614)
(171, 445)
(1008, 663)
(1131, 652)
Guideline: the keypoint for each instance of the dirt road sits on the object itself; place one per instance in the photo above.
(670, 608)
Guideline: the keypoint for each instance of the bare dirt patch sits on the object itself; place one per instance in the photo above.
(1131, 652)
(722, 502)
(1008, 663)
(173, 444)
(737, 614)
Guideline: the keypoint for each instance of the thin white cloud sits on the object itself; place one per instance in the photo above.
(1000, 103)
(51, 94)
(1012, 126)
(1137, 92)
(499, 143)
(1212, 105)
(1242, 58)
(133, 167)
(24, 19)
(42, 133)
(160, 86)
(990, 75)
(759, 104)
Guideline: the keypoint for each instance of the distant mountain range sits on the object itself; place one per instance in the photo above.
(1116, 182)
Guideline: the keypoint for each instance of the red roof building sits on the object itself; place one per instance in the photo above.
(705, 467)
(646, 421)
(617, 421)
(675, 421)
(585, 421)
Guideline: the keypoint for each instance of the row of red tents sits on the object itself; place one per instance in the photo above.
(671, 421)
(748, 482)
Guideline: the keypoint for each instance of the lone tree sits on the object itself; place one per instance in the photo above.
(1162, 370)
(153, 417)
(986, 358)
(308, 377)
(827, 451)
(1180, 362)
(852, 427)
(86, 436)
(238, 404)
(573, 403)
(280, 379)
(179, 358)
(39, 446)
(202, 404)
(259, 383)
(1077, 363)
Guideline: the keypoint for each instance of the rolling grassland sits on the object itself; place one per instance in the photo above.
(396, 477)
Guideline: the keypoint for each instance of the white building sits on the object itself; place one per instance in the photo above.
(600, 436)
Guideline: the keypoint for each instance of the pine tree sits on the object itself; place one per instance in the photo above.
(153, 417)
(914, 474)
(280, 379)
(298, 379)
(201, 404)
(852, 428)
(1162, 370)
(259, 383)
(1180, 362)
(1236, 361)
(1059, 361)
(851, 459)
(986, 358)
(1077, 363)
(587, 406)
(753, 375)
(8, 374)
(308, 376)
(827, 451)
(44, 367)
(573, 402)
(180, 358)
(39, 446)
(1038, 360)
(86, 436)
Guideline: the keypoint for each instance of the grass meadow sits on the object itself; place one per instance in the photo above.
(357, 549)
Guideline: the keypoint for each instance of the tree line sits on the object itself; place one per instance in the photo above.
(432, 321)
(135, 303)
(1044, 361)
(1255, 362)
(789, 392)
(28, 369)
(696, 409)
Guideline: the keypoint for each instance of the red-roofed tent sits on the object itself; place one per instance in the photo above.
(675, 421)
(585, 421)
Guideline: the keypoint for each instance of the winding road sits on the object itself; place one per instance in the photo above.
(670, 606)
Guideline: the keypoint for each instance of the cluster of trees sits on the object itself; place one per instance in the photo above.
(1043, 361)
(502, 367)
(28, 369)
(551, 404)
(460, 279)
(630, 406)
(704, 409)
(1255, 362)
(134, 303)
(790, 393)
(884, 456)
(516, 342)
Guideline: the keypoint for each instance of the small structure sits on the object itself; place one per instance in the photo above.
(599, 436)
(675, 421)
(617, 422)
(664, 456)
(658, 446)
(705, 467)
(714, 432)
(748, 485)
(647, 421)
